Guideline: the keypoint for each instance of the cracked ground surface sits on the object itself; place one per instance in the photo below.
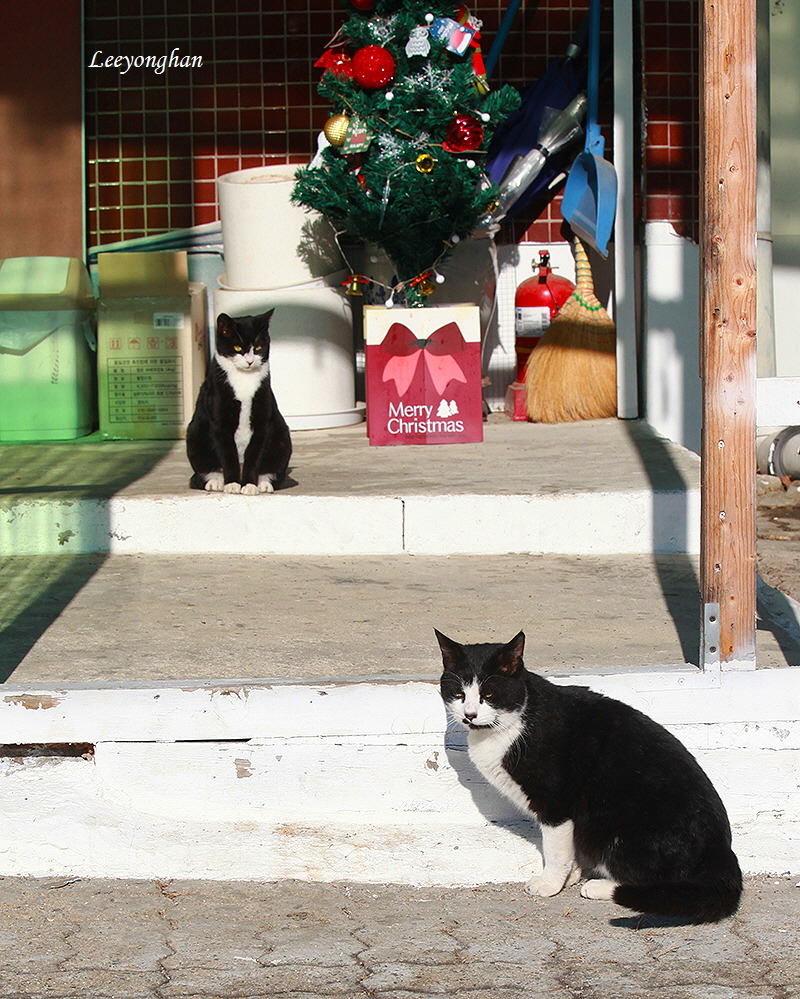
(778, 529)
(105, 939)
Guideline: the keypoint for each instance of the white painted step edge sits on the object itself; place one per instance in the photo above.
(352, 781)
(637, 522)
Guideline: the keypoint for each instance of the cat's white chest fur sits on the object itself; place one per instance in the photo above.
(489, 744)
(245, 384)
(487, 749)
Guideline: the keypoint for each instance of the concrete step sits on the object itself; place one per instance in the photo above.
(92, 619)
(233, 687)
(332, 781)
(600, 487)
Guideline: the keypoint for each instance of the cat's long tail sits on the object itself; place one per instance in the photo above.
(700, 902)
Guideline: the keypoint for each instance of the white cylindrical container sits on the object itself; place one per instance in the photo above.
(312, 362)
(268, 241)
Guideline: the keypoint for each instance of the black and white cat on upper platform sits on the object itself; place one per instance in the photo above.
(612, 789)
(237, 441)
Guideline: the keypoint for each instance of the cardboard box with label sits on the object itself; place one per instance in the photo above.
(423, 371)
(151, 344)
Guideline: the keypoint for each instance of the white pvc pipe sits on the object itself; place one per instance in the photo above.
(625, 311)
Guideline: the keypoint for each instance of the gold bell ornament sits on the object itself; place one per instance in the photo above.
(353, 284)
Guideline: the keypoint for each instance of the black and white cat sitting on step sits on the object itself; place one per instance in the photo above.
(237, 440)
(612, 790)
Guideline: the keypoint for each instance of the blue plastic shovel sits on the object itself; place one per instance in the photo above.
(589, 203)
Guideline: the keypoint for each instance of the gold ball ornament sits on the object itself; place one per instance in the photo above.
(425, 163)
(335, 129)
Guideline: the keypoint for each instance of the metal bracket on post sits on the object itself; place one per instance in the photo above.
(709, 649)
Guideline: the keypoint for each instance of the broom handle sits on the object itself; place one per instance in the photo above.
(595, 9)
(500, 38)
(583, 269)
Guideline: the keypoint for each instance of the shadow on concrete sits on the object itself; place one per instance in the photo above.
(676, 572)
(492, 805)
(37, 588)
(89, 467)
(779, 616)
(649, 922)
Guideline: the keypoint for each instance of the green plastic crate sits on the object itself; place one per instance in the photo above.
(47, 349)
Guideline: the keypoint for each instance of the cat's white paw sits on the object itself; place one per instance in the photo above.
(600, 888)
(232, 487)
(249, 489)
(265, 484)
(542, 887)
(214, 483)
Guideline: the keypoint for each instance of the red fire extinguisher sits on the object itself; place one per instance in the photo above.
(536, 305)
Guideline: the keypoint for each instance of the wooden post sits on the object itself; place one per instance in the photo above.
(728, 342)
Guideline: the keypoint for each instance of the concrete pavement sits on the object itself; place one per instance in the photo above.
(134, 618)
(66, 938)
(590, 458)
(552, 529)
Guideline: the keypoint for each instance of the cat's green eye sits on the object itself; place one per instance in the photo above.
(237, 348)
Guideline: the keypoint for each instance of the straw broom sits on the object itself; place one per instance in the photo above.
(572, 372)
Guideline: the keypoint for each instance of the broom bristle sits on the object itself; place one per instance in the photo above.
(572, 373)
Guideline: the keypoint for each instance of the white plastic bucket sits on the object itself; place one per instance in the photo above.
(312, 363)
(268, 241)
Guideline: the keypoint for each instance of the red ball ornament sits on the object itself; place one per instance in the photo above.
(464, 133)
(373, 67)
(363, 4)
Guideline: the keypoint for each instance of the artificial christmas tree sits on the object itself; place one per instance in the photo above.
(401, 162)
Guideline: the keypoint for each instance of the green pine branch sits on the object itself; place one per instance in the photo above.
(385, 195)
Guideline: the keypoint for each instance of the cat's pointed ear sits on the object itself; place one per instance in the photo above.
(451, 650)
(225, 326)
(267, 316)
(509, 658)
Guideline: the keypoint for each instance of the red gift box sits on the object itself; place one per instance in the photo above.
(423, 375)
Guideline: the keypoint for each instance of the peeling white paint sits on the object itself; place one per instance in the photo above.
(343, 781)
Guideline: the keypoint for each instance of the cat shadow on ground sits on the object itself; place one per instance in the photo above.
(494, 807)
(643, 921)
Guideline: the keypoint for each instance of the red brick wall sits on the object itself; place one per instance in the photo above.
(157, 142)
(670, 36)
